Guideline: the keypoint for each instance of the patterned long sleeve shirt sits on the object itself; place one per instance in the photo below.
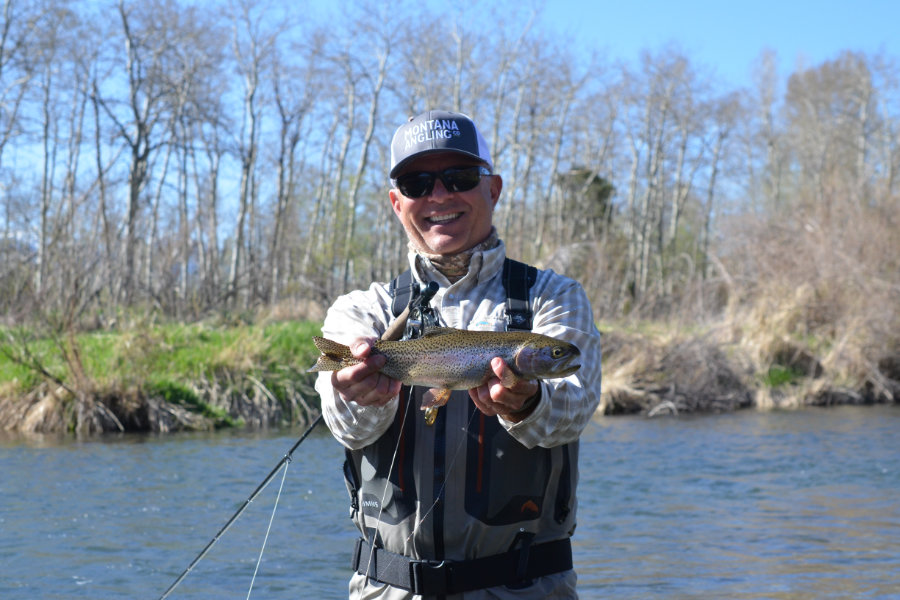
(477, 302)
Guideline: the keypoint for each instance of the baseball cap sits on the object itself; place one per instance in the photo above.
(437, 131)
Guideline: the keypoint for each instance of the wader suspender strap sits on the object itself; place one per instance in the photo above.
(517, 280)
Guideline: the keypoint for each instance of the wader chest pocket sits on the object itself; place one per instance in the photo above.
(498, 490)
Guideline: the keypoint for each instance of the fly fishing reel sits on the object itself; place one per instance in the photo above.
(421, 315)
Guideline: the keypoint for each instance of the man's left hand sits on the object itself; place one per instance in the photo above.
(493, 398)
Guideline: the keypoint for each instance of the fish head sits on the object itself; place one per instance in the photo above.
(543, 357)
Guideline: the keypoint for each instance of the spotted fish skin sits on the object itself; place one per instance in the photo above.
(456, 359)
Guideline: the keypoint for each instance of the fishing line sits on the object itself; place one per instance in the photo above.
(269, 528)
(444, 485)
(285, 459)
(424, 516)
(387, 482)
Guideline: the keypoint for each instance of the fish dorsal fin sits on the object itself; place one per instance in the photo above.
(439, 331)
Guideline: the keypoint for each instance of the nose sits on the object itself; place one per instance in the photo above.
(439, 192)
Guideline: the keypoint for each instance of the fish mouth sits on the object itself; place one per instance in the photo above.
(568, 370)
(442, 219)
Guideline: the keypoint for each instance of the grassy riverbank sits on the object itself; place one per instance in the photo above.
(161, 377)
(808, 346)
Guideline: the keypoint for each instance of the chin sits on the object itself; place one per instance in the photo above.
(445, 250)
(444, 245)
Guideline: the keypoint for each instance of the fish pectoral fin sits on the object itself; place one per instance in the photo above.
(435, 397)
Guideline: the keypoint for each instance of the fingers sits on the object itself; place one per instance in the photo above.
(362, 383)
(494, 398)
(481, 397)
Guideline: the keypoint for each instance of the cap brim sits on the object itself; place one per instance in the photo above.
(399, 166)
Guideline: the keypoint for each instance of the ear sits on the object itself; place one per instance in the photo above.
(394, 195)
(496, 188)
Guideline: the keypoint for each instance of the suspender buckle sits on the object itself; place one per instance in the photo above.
(518, 319)
(430, 577)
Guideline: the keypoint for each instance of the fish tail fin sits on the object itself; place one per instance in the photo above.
(334, 356)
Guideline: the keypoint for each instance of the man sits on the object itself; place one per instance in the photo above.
(481, 503)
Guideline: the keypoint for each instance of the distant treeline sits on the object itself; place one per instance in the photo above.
(190, 159)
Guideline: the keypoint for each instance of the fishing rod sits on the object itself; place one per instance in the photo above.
(285, 459)
(394, 332)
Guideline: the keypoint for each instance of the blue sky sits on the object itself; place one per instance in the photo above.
(727, 36)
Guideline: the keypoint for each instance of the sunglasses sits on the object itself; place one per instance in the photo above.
(454, 179)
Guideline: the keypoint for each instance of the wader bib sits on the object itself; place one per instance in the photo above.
(507, 513)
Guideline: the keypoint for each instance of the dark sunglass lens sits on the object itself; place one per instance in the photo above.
(461, 180)
(415, 185)
(457, 179)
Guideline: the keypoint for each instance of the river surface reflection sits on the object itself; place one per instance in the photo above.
(781, 505)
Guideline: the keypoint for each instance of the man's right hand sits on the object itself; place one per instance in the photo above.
(362, 383)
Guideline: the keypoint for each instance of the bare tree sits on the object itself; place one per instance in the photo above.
(193, 177)
(16, 32)
(16, 74)
(295, 88)
(147, 43)
(831, 115)
(763, 144)
(726, 112)
(207, 220)
(651, 98)
(250, 45)
(376, 83)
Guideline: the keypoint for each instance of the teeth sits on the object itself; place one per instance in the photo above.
(443, 218)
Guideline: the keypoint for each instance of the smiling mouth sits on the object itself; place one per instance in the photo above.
(438, 219)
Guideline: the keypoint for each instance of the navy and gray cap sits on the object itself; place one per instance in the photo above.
(437, 131)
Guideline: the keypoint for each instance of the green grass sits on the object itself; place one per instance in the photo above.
(162, 357)
(183, 396)
(778, 376)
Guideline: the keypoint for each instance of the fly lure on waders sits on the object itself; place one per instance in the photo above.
(285, 460)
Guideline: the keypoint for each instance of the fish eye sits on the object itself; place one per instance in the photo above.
(557, 352)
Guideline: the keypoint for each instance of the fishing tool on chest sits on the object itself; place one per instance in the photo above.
(422, 317)
(417, 316)
(284, 462)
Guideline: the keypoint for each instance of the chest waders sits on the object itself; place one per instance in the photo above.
(395, 505)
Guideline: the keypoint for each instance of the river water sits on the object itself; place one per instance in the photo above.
(777, 505)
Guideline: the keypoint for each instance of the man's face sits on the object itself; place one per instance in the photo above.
(445, 222)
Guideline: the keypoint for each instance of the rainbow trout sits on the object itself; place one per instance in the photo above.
(447, 359)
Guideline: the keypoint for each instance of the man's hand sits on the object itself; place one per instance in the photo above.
(362, 383)
(493, 398)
